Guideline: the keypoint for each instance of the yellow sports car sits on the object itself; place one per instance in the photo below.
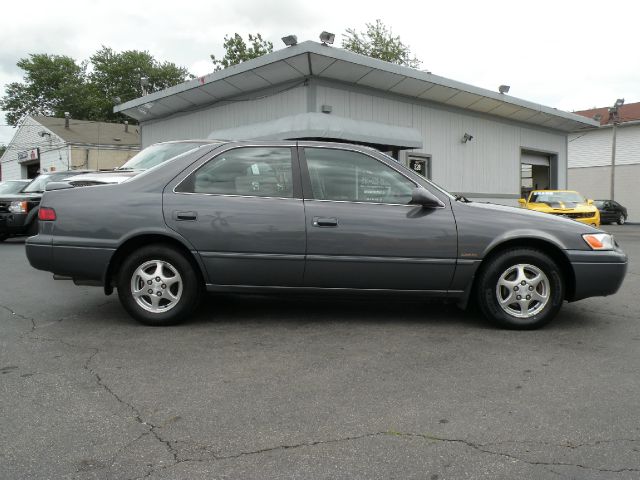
(567, 203)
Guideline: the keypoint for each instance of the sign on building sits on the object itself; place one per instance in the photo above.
(29, 155)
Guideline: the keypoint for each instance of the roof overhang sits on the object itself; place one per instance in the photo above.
(311, 59)
(321, 125)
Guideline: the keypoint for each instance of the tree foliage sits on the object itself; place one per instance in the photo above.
(379, 42)
(237, 50)
(116, 75)
(54, 84)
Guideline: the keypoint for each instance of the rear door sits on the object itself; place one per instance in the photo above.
(361, 231)
(242, 210)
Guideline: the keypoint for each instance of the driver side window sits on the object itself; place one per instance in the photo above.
(344, 175)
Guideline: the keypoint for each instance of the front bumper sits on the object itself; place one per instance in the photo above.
(597, 273)
(13, 223)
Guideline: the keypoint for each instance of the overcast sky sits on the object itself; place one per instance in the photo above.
(567, 54)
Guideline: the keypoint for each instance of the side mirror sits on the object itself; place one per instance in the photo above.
(522, 202)
(422, 196)
(589, 202)
(57, 186)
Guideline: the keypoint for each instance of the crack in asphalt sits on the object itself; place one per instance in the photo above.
(19, 315)
(482, 448)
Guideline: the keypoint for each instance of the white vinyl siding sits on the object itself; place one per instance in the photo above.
(199, 124)
(488, 164)
(593, 148)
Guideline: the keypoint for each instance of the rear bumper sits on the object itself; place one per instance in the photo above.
(80, 263)
(597, 274)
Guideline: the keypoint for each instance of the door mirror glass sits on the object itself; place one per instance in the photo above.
(422, 196)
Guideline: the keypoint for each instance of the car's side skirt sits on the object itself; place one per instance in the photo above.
(346, 291)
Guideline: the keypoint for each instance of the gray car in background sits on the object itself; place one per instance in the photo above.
(315, 217)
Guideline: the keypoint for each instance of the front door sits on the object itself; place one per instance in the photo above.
(361, 231)
(243, 212)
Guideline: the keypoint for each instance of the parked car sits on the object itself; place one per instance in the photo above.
(145, 159)
(282, 217)
(611, 211)
(12, 186)
(567, 203)
(19, 211)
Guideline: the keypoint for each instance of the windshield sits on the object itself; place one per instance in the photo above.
(599, 203)
(11, 187)
(556, 197)
(157, 154)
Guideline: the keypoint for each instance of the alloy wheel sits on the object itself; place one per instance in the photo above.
(523, 290)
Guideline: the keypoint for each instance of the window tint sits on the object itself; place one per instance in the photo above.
(355, 177)
(253, 171)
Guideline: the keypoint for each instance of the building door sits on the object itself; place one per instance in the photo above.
(535, 172)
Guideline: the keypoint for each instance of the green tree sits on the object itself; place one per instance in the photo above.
(116, 76)
(379, 42)
(53, 84)
(237, 50)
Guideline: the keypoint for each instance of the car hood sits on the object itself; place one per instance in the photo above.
(100, 178)
(561, 207)
(534, 218)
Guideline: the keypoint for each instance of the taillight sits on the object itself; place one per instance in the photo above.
(46, 214)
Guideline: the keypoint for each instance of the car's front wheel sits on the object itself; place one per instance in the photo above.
(520, 289)
(158, 286)
(621, 220)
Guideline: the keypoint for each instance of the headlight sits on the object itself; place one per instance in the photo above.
(18, 207)
(599, 241)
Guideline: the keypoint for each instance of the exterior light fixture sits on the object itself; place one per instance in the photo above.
(290, 40)
(619, 102)
(327, 38)
(597, 117)
(504, 88)
(466, 138)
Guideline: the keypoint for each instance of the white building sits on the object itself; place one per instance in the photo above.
(47, 144)
(483, 144)
(590, 157)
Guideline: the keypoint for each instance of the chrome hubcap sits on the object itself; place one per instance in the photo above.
(156, 286)
(523, 290)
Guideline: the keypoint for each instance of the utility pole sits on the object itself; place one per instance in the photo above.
(614, 115)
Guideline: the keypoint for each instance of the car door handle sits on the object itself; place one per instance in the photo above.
(325, 222)
(182, 216)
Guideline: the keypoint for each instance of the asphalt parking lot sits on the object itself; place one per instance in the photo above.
(262, 388)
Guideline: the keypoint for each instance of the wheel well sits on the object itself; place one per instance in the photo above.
(143, 240)
(548, 248)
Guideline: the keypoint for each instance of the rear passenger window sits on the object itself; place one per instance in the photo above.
(250, 171)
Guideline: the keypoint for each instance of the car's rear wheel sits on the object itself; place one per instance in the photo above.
(520, 289)
(621, 220)
(158, 285)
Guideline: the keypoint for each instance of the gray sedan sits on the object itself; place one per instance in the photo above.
(284, 217)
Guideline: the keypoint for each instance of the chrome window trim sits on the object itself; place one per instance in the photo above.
(233, 147)
(411, 205)
(236, 195)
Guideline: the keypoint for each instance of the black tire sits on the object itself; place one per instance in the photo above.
(3, 237)
(172, 261)
(621, 220)
(530, 260)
